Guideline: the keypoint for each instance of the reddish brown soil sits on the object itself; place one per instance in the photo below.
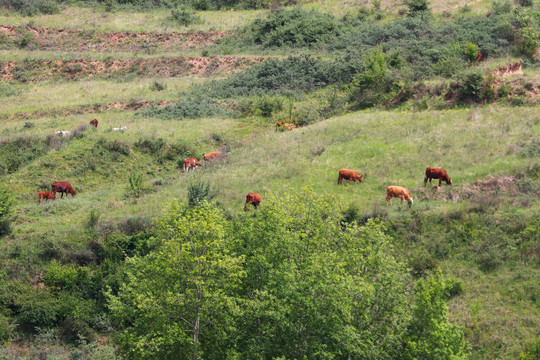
(78, 40)
(39, 70)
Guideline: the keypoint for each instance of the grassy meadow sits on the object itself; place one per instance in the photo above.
(482, 231)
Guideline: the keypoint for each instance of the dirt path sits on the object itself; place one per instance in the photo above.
(36, 38)
(40, 70)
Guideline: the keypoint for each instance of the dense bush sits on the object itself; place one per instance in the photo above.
(260, 286)
(189, 108)
(292, 27)
(422, 43)
(293, 74)
(199, 192)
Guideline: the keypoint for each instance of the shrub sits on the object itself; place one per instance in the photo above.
(293, 74)
(36, 309)
(6, 329)
(178, 151)
(470, 51)
(471, 86)
(135, 225)
(200, 191)
(189, 108)
(115, 147)
(151, 146)
(184, 16)
(135, 185)
(269, 105)
(501, 7)
(416, 7)
(31, 7)
(295, 27)
(157, 86)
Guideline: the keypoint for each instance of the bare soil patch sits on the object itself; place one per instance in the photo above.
(40, 70)
(78, 40)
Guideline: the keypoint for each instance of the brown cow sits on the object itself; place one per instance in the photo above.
(94, 122)
(400, 192)
(253, 199)
(190, 163)
(47, 195)
(436, 173)
(211, 156)
(350, 175)
(63, 187)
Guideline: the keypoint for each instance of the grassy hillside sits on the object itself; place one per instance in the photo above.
(425, 100)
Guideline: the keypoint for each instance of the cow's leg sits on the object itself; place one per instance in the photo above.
(350, 180)
(440, 182)
(185, 169)
(425, 181)
(62, 196)
(402, 198)
(388, 199)
(339, 180)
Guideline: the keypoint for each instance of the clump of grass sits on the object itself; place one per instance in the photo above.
(200, 191)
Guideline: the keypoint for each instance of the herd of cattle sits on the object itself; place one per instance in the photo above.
(254, 199)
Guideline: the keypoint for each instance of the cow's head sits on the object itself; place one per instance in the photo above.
(448, 180)
(411, 201)
(53, 196)
(72, 192)
(361, 178)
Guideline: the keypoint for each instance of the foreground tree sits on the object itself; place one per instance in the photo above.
(178, 291)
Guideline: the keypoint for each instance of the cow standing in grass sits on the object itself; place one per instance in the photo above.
(399, 192)
(47, 195)
(94, 123)
(350, 175)
(190, 163)
(253, 199)
(211, 156)
(63, 187)
(436, 173)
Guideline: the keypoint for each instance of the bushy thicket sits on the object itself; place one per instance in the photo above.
(292, 27)
(189, 108)
(293, 74)
(291, 281)
(32, 7)
(423, 43)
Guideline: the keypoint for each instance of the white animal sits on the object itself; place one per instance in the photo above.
(120, 128)
(63, 132)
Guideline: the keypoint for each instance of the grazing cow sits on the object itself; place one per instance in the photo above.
(478, 56)
(63, 187)
(400, 192)
(350, 175)
(190, 163)
(253, 199)
(120, 128)
(47, 195)
(211, 156)
(288, 124)
(437, 173)
(94, 122)
(63, 132)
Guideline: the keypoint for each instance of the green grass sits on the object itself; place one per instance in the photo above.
(156, 20)
(46, 95)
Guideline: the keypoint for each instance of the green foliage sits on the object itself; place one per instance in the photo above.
(158, 86)
(184, 16)
(470, 51)
(430, 335)
(377, 84)
(181, 298)
(31, 7)
(7, 90)
(269, 105)
(135, 185)
(293, 27)
(471, 85)
(501, 7)
(6, 329)
(200, 192)
(417, 7)
(293, 74)
(532, 351)
(528, 36)
(188, 108)
(151, 146)
(114, 148)
(5, 212)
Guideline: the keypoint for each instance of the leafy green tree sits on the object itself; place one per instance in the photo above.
(417, 6)
(315, 290)
(430, 335)
(180, 298)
